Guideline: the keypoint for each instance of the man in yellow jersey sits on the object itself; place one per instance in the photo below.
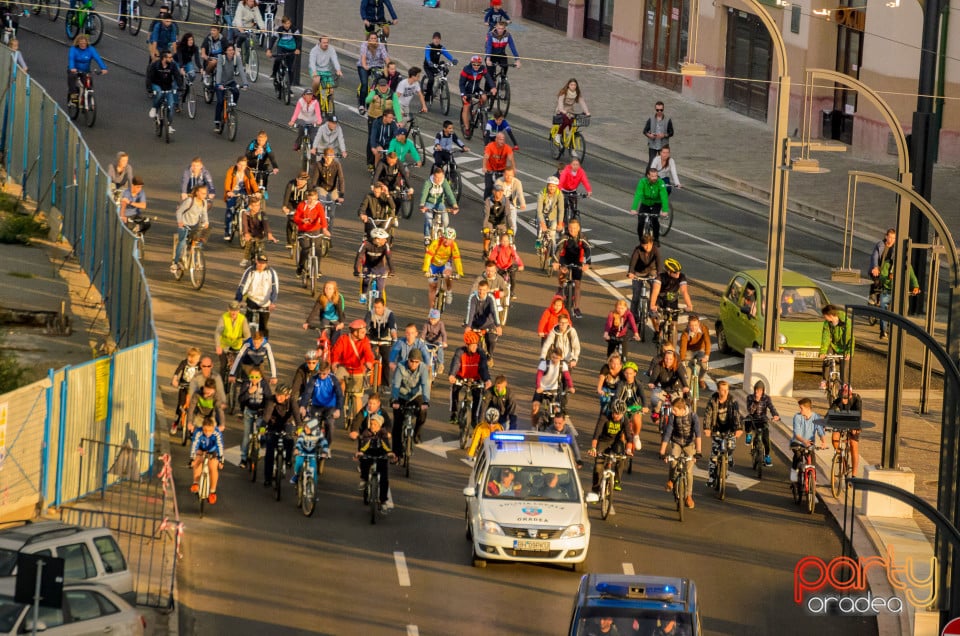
(441, 257)
(232, 331)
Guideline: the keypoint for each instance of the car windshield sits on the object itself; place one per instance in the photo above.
(634, 621)
(8, 561)
(532, 483)
(802, 303)
(9, 613)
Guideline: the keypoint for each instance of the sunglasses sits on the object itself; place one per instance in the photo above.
(255, 377)
(659, 110)
(206, 366)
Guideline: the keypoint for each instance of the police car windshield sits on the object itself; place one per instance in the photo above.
(531, 483)
(636, 621)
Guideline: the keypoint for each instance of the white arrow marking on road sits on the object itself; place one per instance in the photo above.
(439, 447)
(232, 455)
(628, 569)
(741, 482)
(403, 575)
(725, 362)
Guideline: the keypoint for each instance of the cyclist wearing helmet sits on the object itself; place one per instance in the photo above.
(310, 443)
(550, 212)
(666, 377)
(490, 424)
(281, 417)
(612, 431)
(411, 386)
(439, 260)
(474, 82)
(306, 115)
(667, 288)
(553, 376)
(352, 357)
(650, 198)
(500, 398)
(300, 377)
(572, 250)
(373, 257)
(468, 363)
(629, 391)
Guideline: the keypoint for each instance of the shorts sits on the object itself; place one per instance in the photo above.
(439, 270)
(353, 382)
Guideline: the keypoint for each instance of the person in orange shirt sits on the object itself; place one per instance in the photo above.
(351, 358)
(239, 180)
(551, 316)
(497, 157)
(311, 221)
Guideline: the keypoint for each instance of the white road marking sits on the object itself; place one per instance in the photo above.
(628, 569)
(616, 269)
(403, 575)
(606, 256)
(740, 482)
(438, 447)
(626, 282)
(412, 630)
(232, 455)
(725, 362)
(734, 380)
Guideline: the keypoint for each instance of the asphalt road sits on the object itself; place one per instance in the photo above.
(255, 566)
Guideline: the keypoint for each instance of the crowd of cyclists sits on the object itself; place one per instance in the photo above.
(357, 360)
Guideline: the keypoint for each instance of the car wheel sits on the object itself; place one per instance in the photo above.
(722, 343)
(579, 567)
(479, 563)
(469, 533)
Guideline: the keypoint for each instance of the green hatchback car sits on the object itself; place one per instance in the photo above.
(740, 320)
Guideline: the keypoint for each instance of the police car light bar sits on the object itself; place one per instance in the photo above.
(622, 590)
(531, 436)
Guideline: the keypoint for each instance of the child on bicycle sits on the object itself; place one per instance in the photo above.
(373, 258)
(256, 228)
(805, 424)
(311, 443)
(508, 262)
(759, 405)
(186, 370)
(434, 334)
(375, 445)
(440, 258)
(210, 442)
(490, 424)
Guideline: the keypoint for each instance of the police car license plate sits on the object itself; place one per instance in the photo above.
(533, 546)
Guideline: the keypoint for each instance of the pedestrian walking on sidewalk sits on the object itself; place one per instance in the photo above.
(658, 131)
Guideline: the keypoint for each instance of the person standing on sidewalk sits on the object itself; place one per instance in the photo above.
(658, 131)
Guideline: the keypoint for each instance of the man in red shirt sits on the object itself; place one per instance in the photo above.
(351, 358)
(572, 177)
(497, 157)
(311, 221)
(469, 363)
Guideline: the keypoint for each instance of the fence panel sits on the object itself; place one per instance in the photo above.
(55, 408)
(84, 391)
(22, 415)
(130, 416)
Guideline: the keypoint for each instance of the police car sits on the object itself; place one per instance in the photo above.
(635, 604)
(525, 501)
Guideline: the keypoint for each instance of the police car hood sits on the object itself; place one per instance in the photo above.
(520, 512)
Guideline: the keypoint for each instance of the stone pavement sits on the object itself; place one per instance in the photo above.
(712, 145)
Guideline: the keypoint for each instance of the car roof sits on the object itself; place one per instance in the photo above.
(8, 586)
(673, 594)
(520, 449)
(787, 279)
(29, 533)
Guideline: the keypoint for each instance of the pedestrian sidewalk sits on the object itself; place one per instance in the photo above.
(712, 145)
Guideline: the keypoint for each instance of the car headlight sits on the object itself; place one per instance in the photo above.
(783, 339)
(490, 527)
(574, 531)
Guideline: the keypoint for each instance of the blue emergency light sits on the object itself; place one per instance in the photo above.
(625, 590)
(532, 436)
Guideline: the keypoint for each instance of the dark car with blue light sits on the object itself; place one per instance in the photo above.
(635, 605)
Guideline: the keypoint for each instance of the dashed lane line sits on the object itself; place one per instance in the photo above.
(403, 575)
(628, 569)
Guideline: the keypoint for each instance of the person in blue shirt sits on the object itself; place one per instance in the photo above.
(210, 441)
(499, 124)
(495, 14)
(474, 81)
(310, 442)
(411, 386)
(78, 62)
(372, 13)
(402, 348)
(805, 424)
(496, 49)
(163, 37)
(322, 398)
(431, 62)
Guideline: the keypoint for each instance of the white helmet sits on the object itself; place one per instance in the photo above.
(378, 233)
(492, 415)
(553, 181)
(450, 233)
(311, 426)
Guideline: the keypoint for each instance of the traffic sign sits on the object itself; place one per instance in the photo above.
(953, 627)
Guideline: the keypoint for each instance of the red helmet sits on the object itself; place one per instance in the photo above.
(471, 337)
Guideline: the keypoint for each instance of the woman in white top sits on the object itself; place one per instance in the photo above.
(568, 99)
(667, 169)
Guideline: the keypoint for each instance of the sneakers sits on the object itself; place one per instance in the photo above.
(386, 507)
(636, 443)
(173, 268)
(171, 129)
(153, 113)
(362, 110)
(246, 263)
(212, 499)
(669, 487)
(194, 487)
(823, 385)
(711, 482)
(749, 438)
(243, 464)
(616, 486)
(363, 299)
(453, 420)
(767, 461)
(362, 486)
(577, 313)
(227, 238)
(218, 128)
(293, 480)
(689, 502)
(556, 139)
(426, 240)
(448, 298)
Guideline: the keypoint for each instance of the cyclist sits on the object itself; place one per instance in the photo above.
(135, 198)
(620, 322)
(550, 209)
(402, 348)
(382, 133)
(120, 173)
(311, 221)
(498, 39)
(805, 425)
(551, 317)
(322, 398)
(192, 219)
(372, 14)
(164, 77)
(444, 143)
(352, 358)
(498, 124)
(683, 434)
(259, 286)
(307, 116)
(407, 90)
(565, 338)
(667, 377)
(231, 332)
(163, 36)
(468, 363)
(666, 169)
(78, 63)
(256, 228)
(246, 19)
(884, 250)
(373, 257)
(373, 55)
(610, 374)
(261, 159)
(500, 397)
(848, 401)
(497, 157)
(377, 210)
(382, 327)
(629, 391)
(203, 401)
(562, 426)
(495, 14)
(568, 99)
(553, 376)
(411, 385)
(507, 261)
(310, 442)
(293, 195)
(328, 177)
(301, 378)
(182, 377)
(323, 65)
(722, 417)
(572, 250)
(436, 197)
(612, 431)
(196, 174)
(188, 56)
(496, 217)
(287, 44)
(644, 263)
(695, 345)
(212, 47)
(672, 284)
(435, 337)
(482, 317)
(431, 62)
(252, 397)
(440, 259)
(361, 421)
(209, 441)
(375, 445)
(513, 190)
(329, 311)
(402, 146)
(759, 405)
(330, 136)
(837, 338)
(475, 82)
(230, 76)
(497, 283)
(490, 424)
(281, 417)
(571, 177)
(650, 198)
(255, 352)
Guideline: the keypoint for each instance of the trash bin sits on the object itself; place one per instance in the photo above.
(831, 124)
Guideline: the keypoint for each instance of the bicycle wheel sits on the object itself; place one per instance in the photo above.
(811, 491)
(94, 28)
(568, 293)
(373, 499)
(407, 452)
(313, 274)
(418, 144)
(285, 91)
(406, 207)
(253, 456)
(679, 490)
(231, 124)
(722, 477)
(70, 24)
(464, 426)
(73, 107)
(757, 453)
(181, 10)
(232, 398)
(184, 433)
(135, 20)
(796, 489)
(52, 8)
(606, 496)
(191, 102)
(642, 318)
(166, 125)
(309, 496)
(666, 222)
(444, 98)
(202, 492)
(198, 269)
(503, 97)
(251, 61)
(467, 133)
(837, 470)
(578, 147)
(295, 252)
(279, 462)
(208, 93)
(833, 391)
(557, 148)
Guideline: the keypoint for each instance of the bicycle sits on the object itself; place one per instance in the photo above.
(311, 268)
(352, 404)
(324, 93)
(265, 37)
(253, 312)
(377, 288)
(162, 123)
(667, 332)
(477, 119)
(85, 102)
(323, 343)
(805, 488)
(551, 405)
(282, 83)
(440, 300)
(403, 200)
(608, 481)
(84, 19)
(841, 467)
(180, 10)
(502, 301)
(832, 389)
(249, 56)
(666, 222)
(410, 412)
(568, 285)
(572, 140)
(382, 34)
(571, 204)
(189, 97)
(279, 464)
(452, 174)
(253, 448)
(209, 91)
(50, 7)
(133, 17)
(414, 135)
(371, 492)
(230, 356)
(303, 143)
(373, 76)
(546, 246)
(307, 482)
(203, 484)
(502, 84)
(678, 475)
(694, 368)
(192, 260)
(436, 367)
(724, 457)
(641, 286)
(465, 411)
(230, 117)
(441, 87)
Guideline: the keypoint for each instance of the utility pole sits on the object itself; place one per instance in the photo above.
(294, 10)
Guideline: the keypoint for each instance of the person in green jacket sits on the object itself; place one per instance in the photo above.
(885, 282)
(403, 146)
(436, 197)
(650, 198)
(837, 338)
